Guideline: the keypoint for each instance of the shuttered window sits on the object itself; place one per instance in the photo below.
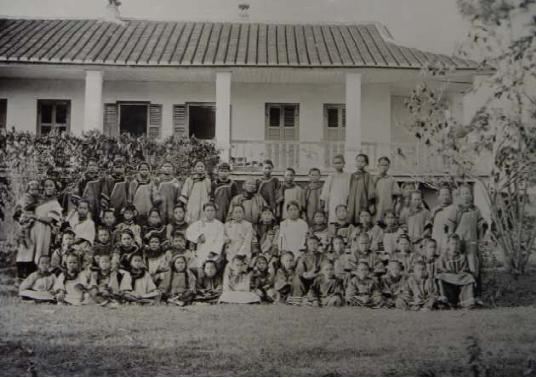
(155, 121)
(282, 121)
(3, 113)
(110, 124)
(53, 116)
(334, 122)
(179, 120)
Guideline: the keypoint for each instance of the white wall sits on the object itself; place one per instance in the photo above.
(248, 103)
(22, 96)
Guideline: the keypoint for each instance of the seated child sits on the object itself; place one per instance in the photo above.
(154, 225)
(346, 264)
(103, 244)
(429, 257)
(391, 283)
(209, 284)
(327, 290)
(178, 247)
(307, 267)
(137, 286)
(456, 283)
(262, 280)
(418, 292)
(341, 227)
(405, 254)
(390, 233)
(239, 235)
(39, 285)
(284, 278)
(104, 284)
(313, 192)
(320, 229)
(418, 219)
(72, 284)
(129, 216)
(80, 221)
(109, 221)
(366, 225)
(178, 223)
(156, 258)
(178, 285)
(362, 290)
(124, 249)
(237, 283)
(292, 231)
(335, 250)
(364, 253)
(57, 260)
(290, 192)
(252, 202)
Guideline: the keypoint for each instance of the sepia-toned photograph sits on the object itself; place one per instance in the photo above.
(267, 188)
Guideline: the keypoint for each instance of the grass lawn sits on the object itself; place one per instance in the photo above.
(260, 340)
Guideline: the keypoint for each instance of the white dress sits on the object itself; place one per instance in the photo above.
(214, 234)
(292, 235)
(335, 192)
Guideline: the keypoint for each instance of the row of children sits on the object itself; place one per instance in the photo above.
(354, 222)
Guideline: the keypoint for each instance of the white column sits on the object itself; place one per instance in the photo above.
(223, 114)
(353, 138)
(93, 101)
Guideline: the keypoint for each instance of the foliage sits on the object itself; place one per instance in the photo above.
(502, 42)
(65, 156)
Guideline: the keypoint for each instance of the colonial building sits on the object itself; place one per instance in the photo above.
(296, 94)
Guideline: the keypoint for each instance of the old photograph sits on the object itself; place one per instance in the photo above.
(267, 187)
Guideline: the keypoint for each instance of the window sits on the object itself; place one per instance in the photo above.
(3, 113)
(334, 121)
(136, 118)
(202, 120)
(53, 115)
(282, 121)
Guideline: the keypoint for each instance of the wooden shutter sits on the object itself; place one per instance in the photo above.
(110, 124)
(179, 120)
(155, 121)
(3, 113)
(334, 127)
(291, 120)
(273, 122)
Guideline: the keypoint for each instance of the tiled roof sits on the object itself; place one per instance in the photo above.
(163, 43)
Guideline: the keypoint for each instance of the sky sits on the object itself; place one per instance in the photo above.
(432, 25)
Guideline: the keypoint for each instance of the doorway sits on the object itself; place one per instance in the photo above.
(202, 120)
(133, 119)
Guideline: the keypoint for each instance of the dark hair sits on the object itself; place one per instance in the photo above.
(209, 262)
(290, 169)
(83, 200)
(268, 162)
(178, 234)
(384, 158)
(68, 231)
(341, 205)
(313, 237)
(289, 253)
(293, 203)
(108, 210)
(154, 210)
(364, 156)
(241, 258)
(142, 164)
(127, 231)
(315, 170)
(339, 157)
(364, 211)
(237, 205)
(209, 204)
(179, 205)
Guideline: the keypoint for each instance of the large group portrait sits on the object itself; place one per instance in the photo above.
(267, 187)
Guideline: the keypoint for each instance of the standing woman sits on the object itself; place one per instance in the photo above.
(47, 217)
(361, 194)
(335, 189)
(196, 192)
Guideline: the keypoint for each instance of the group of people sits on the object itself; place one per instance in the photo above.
(354, 240)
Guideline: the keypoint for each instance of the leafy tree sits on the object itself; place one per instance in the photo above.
(502, 44)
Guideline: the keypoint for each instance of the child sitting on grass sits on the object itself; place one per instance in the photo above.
(129, 214)
(363, 253)
(237, 283)
(340, 227)
(405, 254)
(347, 261)
(137, 286)
(392, 283)
(57, 260)
(362, 290)
(429, 257)
(209, 284)
(154, 224)
(262, 280)
(308, 267)
(327, 290)
(178, 284)
(104, 284)
(418, 292)
(39, 286)
(454, 277)
(390, 233)
(72, 284)
(284, 278)
(320, 229)
(103, 244)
